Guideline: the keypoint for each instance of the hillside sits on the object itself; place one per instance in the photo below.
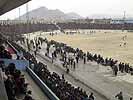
(48, 14)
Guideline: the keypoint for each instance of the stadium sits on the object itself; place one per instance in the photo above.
(64, 59)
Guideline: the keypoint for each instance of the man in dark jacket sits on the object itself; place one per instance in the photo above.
(28, 96)
(119, 96)
(91, 97)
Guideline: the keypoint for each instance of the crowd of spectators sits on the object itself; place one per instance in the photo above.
(14, 80)
(15, 83)
(58, 84)
(62, 88)
(63, 49)
(34, 27)
(22, 28)
(3, 52)
(74, 25)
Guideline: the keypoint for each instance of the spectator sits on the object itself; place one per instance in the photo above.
(119, 96)
(91, 97)
(28, 96)
(2, 65)
(10, 88)
(131, 98)
(4, 53)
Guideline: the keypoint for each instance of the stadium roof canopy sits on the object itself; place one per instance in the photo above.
(7, 5)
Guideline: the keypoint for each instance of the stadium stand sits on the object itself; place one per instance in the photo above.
(23, 28)
(14, 80)
(73, 25)
(62, 88)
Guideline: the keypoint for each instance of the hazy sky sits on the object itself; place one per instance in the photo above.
(82, 7)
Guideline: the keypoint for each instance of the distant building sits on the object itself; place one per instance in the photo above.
(102, 21)
(118, 21)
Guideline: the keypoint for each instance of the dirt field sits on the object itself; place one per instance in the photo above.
(104, 43)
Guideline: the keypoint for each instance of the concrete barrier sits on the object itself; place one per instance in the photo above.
(42, 85)
(20, 64)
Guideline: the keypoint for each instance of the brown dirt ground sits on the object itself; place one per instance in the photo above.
(106, 44)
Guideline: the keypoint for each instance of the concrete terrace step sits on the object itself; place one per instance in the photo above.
(37, 93)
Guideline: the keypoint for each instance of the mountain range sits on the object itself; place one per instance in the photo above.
(48, 14)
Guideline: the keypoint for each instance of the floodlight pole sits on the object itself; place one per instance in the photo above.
(27, 12)
(124, 17)
(19, 14)
(27, 17)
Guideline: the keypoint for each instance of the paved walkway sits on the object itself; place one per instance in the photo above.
(37, 93)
